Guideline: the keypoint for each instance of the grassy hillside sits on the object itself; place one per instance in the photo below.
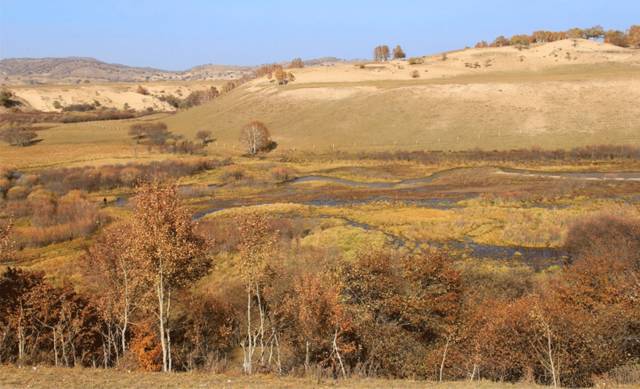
(515, 98)
(556, 95)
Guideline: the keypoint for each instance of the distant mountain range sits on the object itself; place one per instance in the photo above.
(81, 69)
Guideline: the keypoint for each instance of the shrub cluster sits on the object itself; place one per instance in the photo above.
(382, 313)
(15, 185)
(578, 154)
(630, 38)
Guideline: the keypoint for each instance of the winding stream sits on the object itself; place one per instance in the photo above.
(532, 255)
(582, 176)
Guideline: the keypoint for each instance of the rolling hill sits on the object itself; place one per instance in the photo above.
(561, 94)
(557, 95)
(81, 70)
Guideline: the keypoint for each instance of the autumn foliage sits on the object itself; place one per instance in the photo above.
(629, 38)
(146, 301)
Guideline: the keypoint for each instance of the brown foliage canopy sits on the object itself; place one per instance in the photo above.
(381, 53)
(398, 53)
(256, 137)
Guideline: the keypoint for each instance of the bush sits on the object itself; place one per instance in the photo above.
(7, 99)
(17, 193)
(415, 74)
(282, 174)
(21, 137)
(604, 235)
(416, 61)
(118, 176)
(232, 174)
(59, 219)
(78, 108)
(142, 90)
(171, 100)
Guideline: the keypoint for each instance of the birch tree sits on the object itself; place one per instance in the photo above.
(167, 252)
(256, 247)
(112, 267)
(255, 137)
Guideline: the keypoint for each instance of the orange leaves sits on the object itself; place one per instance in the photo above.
(162, 236)
(146, 348)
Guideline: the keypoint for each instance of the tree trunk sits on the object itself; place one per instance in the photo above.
(161, 320)
(335, 348)
(306, 358)
(248, 349)
(261, 332)
(444, 358)
(21, 339)
(55, 347)
(551, 362)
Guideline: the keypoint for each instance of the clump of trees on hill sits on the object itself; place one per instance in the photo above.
(382, 53)
(630, 38)
(276, 72)
(157, 134)
(194, 98)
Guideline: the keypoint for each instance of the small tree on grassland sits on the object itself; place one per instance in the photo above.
(398, 53)
(256, 137)
(381, 53)
(204, 136)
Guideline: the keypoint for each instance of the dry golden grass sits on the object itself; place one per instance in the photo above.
(540, 101)
(47, 378)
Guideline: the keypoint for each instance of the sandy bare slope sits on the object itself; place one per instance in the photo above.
(110, 95)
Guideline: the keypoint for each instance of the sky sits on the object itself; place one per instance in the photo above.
(179, 34)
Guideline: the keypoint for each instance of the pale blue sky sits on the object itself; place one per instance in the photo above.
(182, 33)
